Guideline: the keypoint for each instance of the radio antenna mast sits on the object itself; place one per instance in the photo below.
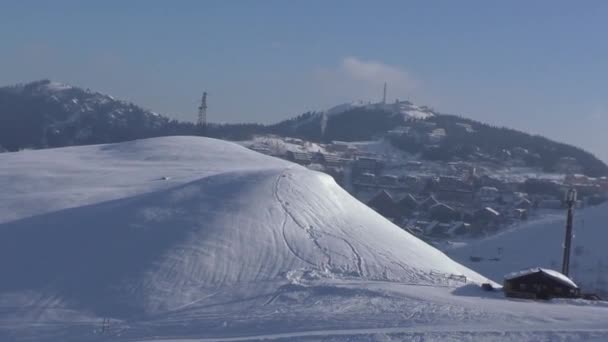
(202, 115)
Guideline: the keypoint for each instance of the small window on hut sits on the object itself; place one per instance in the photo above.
(558, 289)
(522, 286)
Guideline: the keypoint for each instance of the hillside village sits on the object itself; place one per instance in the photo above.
(436, 199)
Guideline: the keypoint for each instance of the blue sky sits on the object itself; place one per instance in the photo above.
(539, 66)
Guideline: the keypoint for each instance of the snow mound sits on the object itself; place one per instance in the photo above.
(228, 217)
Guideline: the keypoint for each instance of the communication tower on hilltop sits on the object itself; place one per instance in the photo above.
(384, 94)
(202, 113)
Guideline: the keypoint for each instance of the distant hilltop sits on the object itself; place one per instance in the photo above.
(45, 114)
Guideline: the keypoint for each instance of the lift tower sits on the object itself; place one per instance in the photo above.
(202, 115)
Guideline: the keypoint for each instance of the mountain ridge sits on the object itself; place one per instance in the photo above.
(50, 114)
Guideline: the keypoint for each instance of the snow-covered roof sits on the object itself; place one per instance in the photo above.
(553, 274)
(494, 212)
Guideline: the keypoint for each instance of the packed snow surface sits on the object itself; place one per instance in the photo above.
(194, 239)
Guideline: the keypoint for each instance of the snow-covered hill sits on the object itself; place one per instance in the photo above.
(540, 243)
(185, 237)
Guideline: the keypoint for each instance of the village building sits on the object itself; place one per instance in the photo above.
(408, 203)
(487, 218)
(443, 213)
(524, 203)
(539, 283)
(367, 164)
(302, 158)
(428, 203)
(520, 214)
(488, 194)
(384, 204)
(366, 178)
(388, 180)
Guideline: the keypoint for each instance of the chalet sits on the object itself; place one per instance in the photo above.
(331, 160)
(486, 216)
(488, 194)
(411, 183)
(367, 164)
(263, 149)
(366, 178)
(388, 180)
(384, 204)
(523, 203)
(539, 283)
(408, 203)
(301, 158)
(520, 214)
(338, 146)
(443, 213)
(459, 228)
(428, 203)
(438, 229)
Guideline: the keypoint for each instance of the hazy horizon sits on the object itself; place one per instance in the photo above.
(536, 67)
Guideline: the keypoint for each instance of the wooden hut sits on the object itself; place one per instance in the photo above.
(539, 283)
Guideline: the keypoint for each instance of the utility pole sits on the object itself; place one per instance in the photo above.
(570, 201)
(202, 115)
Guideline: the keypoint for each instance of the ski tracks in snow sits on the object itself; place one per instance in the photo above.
(284, 206)
(313, 234)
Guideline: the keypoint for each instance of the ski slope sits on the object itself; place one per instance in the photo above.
(185, 238)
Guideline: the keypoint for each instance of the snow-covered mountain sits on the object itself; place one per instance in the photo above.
(48, 114)
(186, 238)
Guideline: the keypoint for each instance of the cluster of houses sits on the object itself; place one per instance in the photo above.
(442, 200)
(433, 217)
(445, 206)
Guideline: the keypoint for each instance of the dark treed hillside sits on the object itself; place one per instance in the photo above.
(493, 140)
(47, 114)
